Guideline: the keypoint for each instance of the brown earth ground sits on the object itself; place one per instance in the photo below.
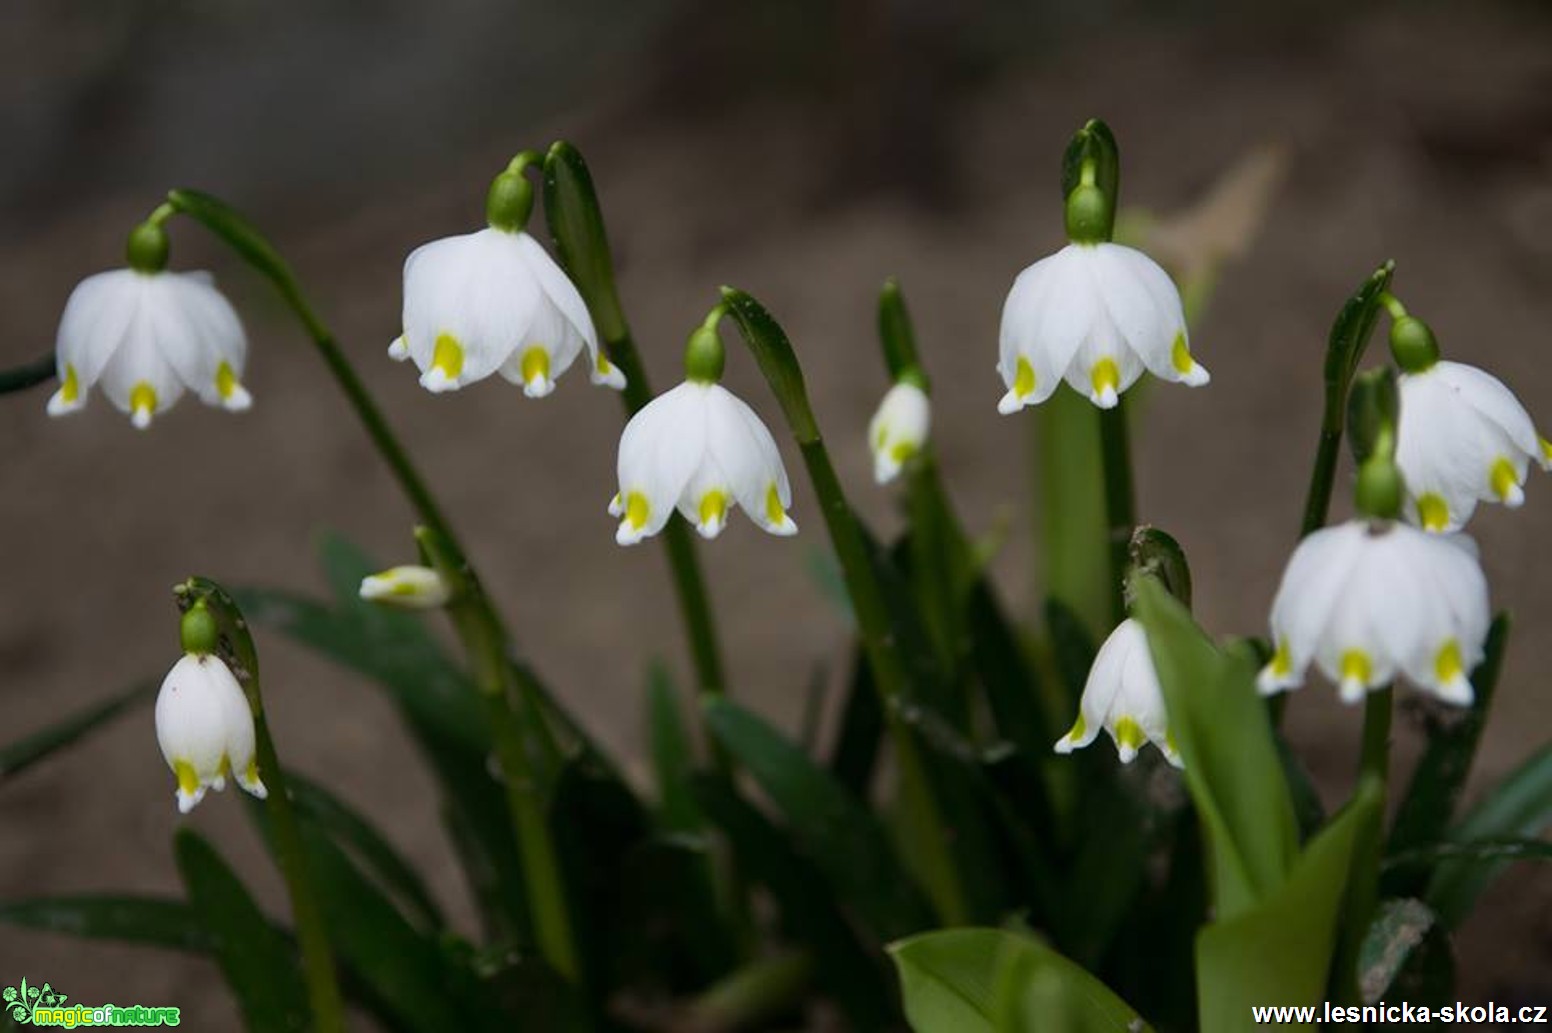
(1427, 138)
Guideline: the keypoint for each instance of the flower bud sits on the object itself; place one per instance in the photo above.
(509, 202)
(197, 630)
(1412, 344)
(408, 588)
(1088, 215)
(704, 356)
(146, 249)
(1380, 488)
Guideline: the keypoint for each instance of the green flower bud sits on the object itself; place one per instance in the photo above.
(704, 356)
(509, 202)
(1380, 488)
(1412, 344)
(197, 630)
(1088, 214)
(147, 247)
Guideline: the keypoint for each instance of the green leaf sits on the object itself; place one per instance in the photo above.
(668, 907)
(1518, 807)
(896, 334)
(1014, 687)
(371, 848)
(673, 756)
(773, 352)
(1278, 950)
(995, 981)
(259, 964)
(829, 824)
(439, 704)
(1433, 794)
(400, 968)
(1232, 766)
(153, 921)
(1349, 339)
(17, 756)
(577, 226)
(396, 654)
(848, 973)
(855, 753)
(597, 821)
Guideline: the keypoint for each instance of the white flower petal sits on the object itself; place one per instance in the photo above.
(192, 718)
(95, 322)
(468, 302)
(1019, 337)
(660, 450)
(753, 463)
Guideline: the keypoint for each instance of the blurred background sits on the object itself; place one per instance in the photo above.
(802, 150)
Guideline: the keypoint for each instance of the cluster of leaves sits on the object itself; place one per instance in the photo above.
(1084, 895)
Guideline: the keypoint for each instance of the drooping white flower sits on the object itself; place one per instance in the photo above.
(205, 729)
(145, 338)
(409, 588)
(1096, 315)
(700, 449)
(494, 301)
(1368, 600)
(899, 429)
(1122, 696)
(1464, 438)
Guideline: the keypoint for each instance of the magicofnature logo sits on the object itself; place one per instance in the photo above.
(45, 1006)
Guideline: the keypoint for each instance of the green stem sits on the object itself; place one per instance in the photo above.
(928, 835)
(1120, 507)
(930, 840)
(311, 931)
(1317, 501)
(498, 681)
(1363, 877)
(31, 374)
(323, 991)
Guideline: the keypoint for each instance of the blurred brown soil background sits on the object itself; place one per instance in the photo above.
(800, 150)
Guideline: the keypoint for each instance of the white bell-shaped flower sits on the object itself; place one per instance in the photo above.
(408, 588)
(1123, 697)
(145, 338)
(700, 449)
(1464, 438)
(1368, 600)
(494, 301)
(205, 729)
(899, 429)
(1096, 315)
